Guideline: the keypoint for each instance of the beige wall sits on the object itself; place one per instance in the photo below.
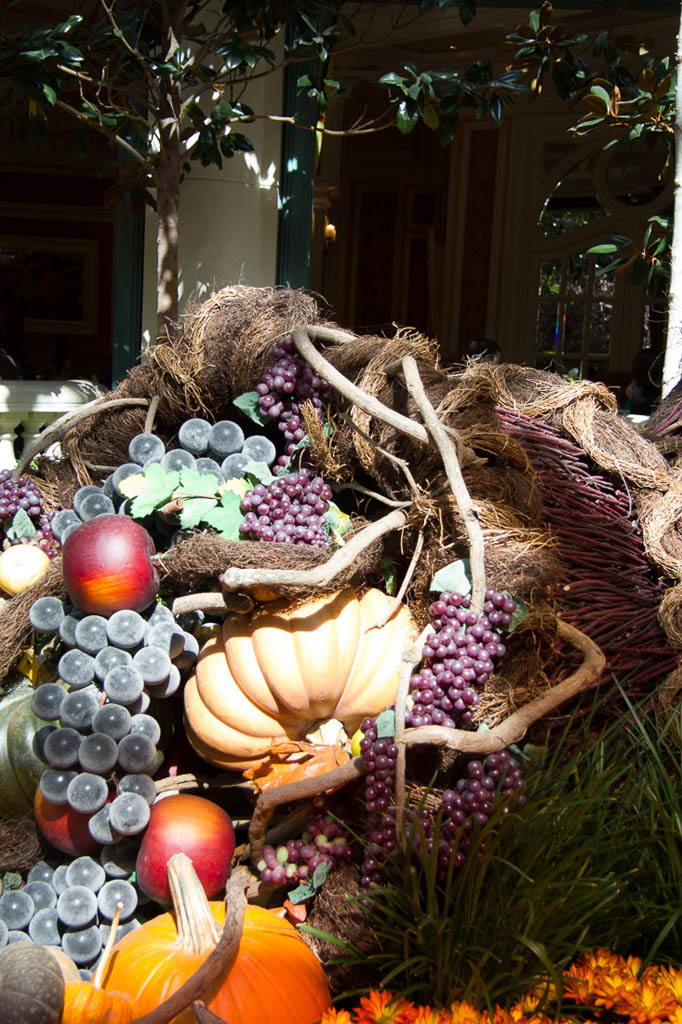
(228, 218)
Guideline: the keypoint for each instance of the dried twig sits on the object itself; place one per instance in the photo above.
(448, 453)
(415, 490)
(242, 579)
(210, 969)
(304, 789)
(151, 414)
(56, 431)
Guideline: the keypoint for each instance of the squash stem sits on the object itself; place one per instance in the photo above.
(98, 976)
(198, 931)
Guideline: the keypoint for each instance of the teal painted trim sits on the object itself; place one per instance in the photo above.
(128, 268)
(296, 185)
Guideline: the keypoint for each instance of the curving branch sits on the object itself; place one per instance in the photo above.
(343, 557)
(514, 728)
(60, 427)
(453, 471)
(304, 789)
(511, 730)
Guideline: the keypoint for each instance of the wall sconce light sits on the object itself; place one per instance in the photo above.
(329, 232)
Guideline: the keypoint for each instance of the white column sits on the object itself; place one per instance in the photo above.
(34, 404)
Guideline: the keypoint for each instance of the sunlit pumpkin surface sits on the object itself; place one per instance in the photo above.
(274, 979)
(277, 675)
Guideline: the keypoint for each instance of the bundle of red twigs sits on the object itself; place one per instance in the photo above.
(610, 590)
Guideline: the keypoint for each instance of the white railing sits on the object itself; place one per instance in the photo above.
(28, 406)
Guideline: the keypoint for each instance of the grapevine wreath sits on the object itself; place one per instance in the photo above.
(350, 568)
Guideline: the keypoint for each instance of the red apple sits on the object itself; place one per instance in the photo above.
(65, 828)
(191, 825)
(107, 565)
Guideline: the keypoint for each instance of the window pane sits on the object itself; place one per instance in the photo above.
(550, 279)
(546, 338)
(600, 328)
(573, 329)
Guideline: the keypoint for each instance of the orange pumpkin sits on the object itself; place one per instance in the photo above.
(274, 976)
(277, 675)
(86, 1002)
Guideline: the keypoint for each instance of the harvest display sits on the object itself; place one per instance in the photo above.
(301, 597)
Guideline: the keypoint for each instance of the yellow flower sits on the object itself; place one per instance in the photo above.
(384, 1008)
(647, 1003)
(333, 1016)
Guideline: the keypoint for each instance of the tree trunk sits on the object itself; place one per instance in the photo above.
(168, 178)
(169, 172)
(672, 366)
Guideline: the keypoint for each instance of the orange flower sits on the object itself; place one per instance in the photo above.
(333, 1016)
(430, 1015)
(384, 1008)
(647, 1003)
(465, 1013)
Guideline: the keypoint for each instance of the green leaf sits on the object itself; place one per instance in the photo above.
(198, 484)
(336, 521)
(194, 510)
(392, 79)
(260, 472)
(248, 403)
(22, 525)
(149, 489)
(226, 517)
(50, 94)
(389, 575)
(601, 94)
(534, 20)
(604, 250)
(307, 890)
(405, 119)
(455, 578)
(385, 724)
(11, 880)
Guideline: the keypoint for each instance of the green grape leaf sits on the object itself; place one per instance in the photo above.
(150, 489)
(389, 575)
(226, 517)
(22, 525)
(455, 578)
(307, 889)
(260, 472)
(248, 403)
(11, 880)
(198, 484)
(385, 724)
(194, 510)
(336, 522)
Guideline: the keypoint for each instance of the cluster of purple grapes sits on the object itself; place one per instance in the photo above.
(19, 493)
(379, 756)
(470, 804)
(290, 510)
(460, 654)
(106, 741)
(285, 383)
(70, 906)
(25, 494)
(324, 841)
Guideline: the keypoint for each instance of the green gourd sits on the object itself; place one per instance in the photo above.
(31, 985)
(22, 735)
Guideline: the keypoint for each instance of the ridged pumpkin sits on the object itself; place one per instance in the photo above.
(22, 735)
(274, 976)
(277, 675)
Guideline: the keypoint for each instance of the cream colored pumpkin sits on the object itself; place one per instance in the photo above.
(275, 676)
